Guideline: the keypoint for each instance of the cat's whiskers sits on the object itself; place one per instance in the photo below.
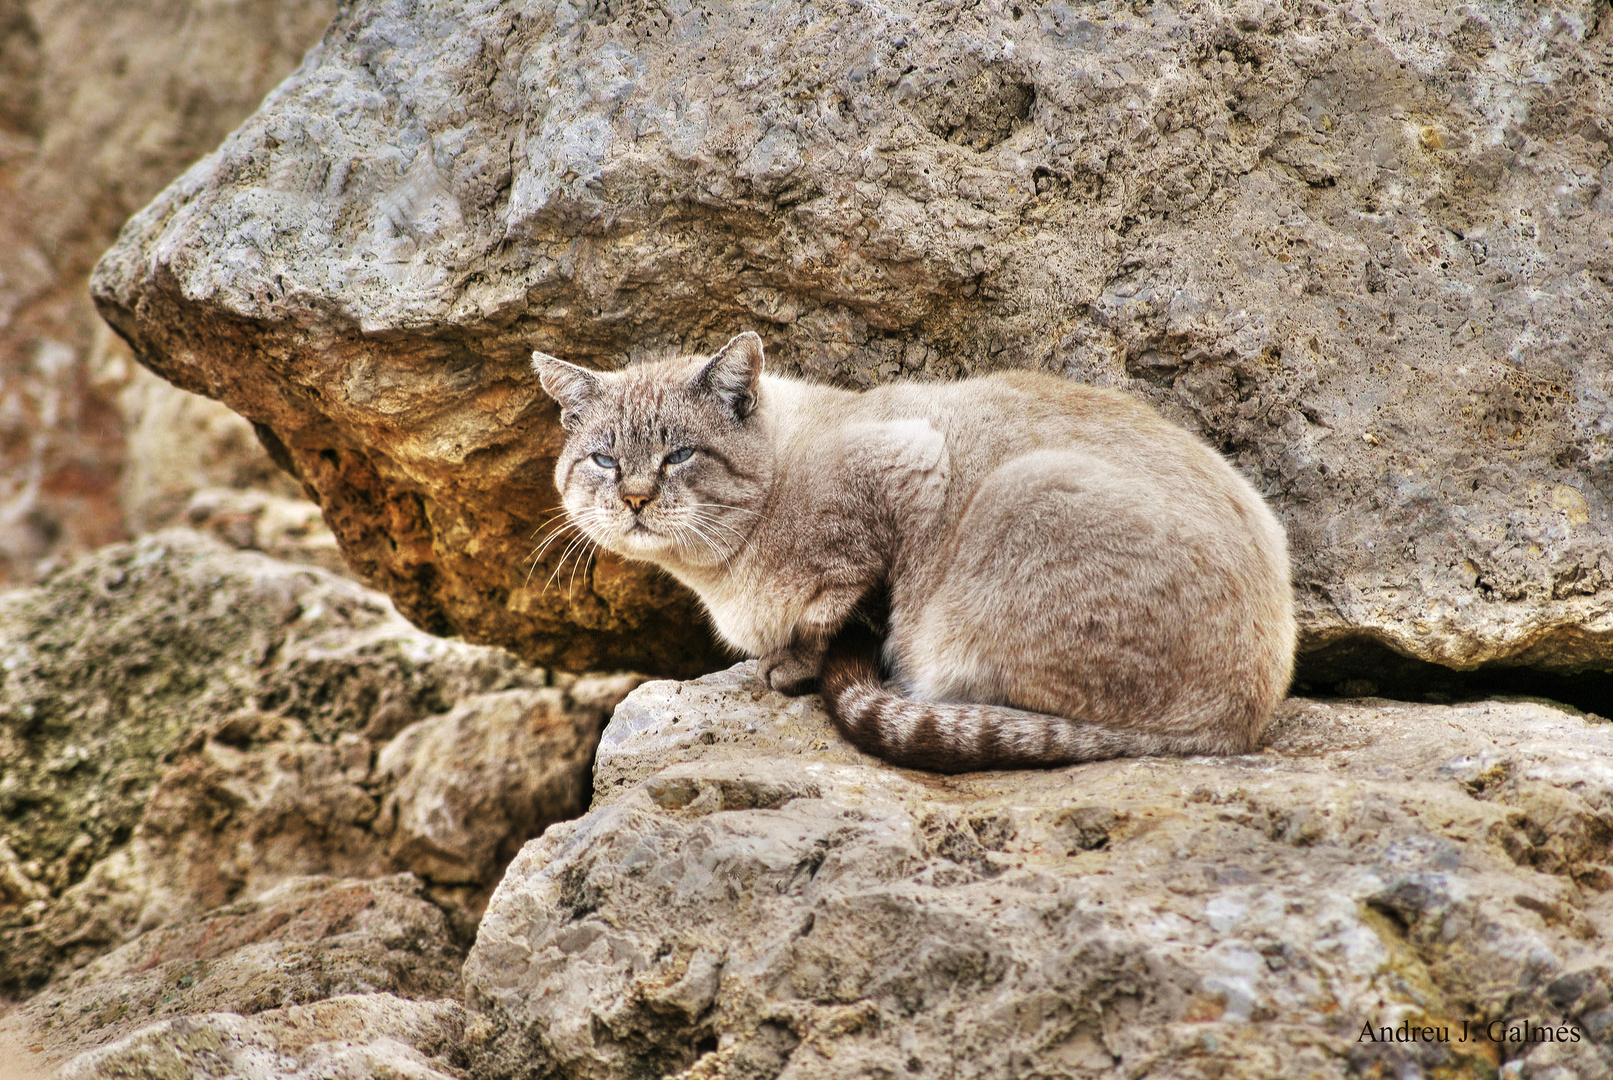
(579, 544)
(537, 553)
(569, 521)
(683, 531)
(530, 570)
(742, 537)
(694, 524)
(582, 521)
(706, 521)
(549, 515)
(586, 557)
(730, 506)
(759, 517)
(558, 531)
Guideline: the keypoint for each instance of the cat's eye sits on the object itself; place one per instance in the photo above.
(678, 457)
(604, 461)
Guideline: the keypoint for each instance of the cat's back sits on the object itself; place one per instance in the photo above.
(1034, 424)
(1016, 407)
(970, 428)
(989, 419)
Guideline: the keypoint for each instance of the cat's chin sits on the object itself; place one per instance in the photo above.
(647, 545)
(639, 542)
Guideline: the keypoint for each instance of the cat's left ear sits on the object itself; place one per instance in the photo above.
(575, 388)
(733, 373)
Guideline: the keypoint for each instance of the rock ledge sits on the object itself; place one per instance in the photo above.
(751, 897)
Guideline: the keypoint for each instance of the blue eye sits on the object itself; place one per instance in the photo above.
(604, 461)
(677, 457)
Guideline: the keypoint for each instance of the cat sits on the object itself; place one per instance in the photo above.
(1062, 575)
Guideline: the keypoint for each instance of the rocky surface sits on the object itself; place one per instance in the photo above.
(751, 897)
(253, 519)
(100, 106)
(183, 725)
(356, 1037)
(466, 789)
(179, 445)
(305, 941)
(1363, 249)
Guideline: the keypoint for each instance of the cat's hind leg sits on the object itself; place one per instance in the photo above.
(1074, 587)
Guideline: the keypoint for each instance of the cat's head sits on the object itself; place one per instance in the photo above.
(665, 461)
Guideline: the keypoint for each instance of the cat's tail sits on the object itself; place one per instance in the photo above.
(954, 737)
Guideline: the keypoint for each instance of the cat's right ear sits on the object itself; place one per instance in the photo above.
(575, 388)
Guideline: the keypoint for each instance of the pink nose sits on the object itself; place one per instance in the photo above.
(636, 503)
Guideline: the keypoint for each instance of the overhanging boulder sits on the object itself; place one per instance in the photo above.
(1365, 254)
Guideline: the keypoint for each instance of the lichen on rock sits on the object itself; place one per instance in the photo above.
(183, 725)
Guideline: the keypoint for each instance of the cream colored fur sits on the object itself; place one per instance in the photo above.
(1067, 574)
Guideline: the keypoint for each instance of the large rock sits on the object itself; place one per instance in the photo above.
(253, 519)
(751, 898)
(100, 106)
(178, 444)
(464, 790)
(1362, 250)
(308, 940)
(183, 726)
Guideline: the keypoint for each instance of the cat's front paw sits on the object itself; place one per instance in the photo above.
(786, 672)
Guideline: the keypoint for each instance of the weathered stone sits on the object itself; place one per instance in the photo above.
(354, 1037)
(255, 520)
(751, 897)
(308, 940)
(1364, 251)
(100, 106)
(183, 726)
(179, 445)
(474, 784)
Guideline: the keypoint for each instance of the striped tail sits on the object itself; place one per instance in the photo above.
(955, 737)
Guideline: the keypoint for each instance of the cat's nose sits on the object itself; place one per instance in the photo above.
(636, 493)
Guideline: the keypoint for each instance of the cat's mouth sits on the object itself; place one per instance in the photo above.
(638, 539)
(637, 534)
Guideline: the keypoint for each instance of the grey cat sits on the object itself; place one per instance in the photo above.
(1064, 575)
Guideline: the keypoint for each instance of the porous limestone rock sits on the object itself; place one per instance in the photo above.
(100, 106)
(1362, 248)
(183, 726)
(305, 941)
(472, 785)
(353, 1037)
(751, 897)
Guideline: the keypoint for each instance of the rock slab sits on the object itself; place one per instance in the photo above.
(305, 941)
(751, 897)
(351, 1037)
